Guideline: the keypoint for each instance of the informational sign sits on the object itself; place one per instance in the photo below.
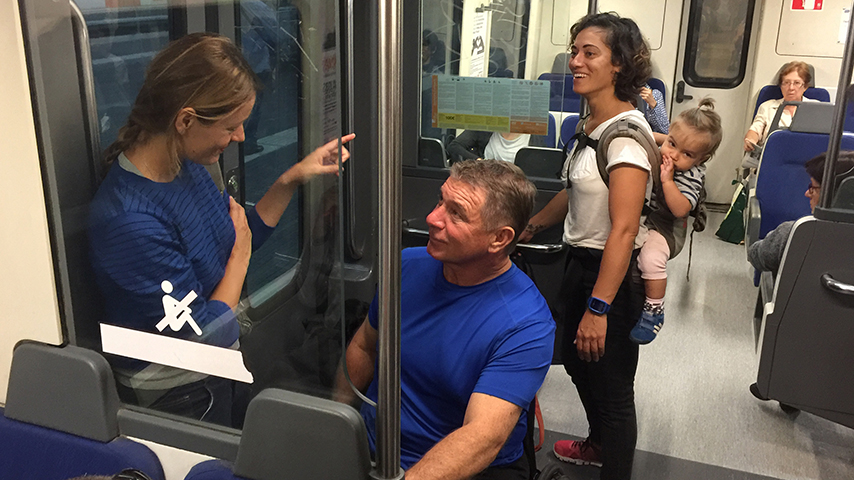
(806, 4)
(491, 104)
(331, 126)
(477, 66)
(843, 25)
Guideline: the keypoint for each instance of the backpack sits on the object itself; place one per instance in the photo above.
(660, 219)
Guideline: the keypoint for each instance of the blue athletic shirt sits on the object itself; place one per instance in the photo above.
(143, 232)
(495, 338)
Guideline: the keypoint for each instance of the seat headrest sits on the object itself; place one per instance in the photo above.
(809, 67)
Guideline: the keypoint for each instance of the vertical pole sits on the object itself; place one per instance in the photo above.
(390, 142)
(828, 184)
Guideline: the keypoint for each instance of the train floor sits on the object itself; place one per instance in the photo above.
(696, 418)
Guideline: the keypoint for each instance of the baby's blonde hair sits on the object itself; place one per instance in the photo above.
(704, 119)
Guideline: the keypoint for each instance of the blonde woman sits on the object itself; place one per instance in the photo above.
(170, 253)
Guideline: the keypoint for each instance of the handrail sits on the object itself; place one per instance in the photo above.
(836, 286)
(84, 63)
(390, 143)
(355, 251)
(834, 143)
(534, 247)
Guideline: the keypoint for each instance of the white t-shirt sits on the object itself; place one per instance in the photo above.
(588, 223)
(499, 148)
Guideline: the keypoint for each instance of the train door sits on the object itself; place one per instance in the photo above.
(714, 60)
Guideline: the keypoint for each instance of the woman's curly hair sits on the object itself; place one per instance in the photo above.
(629, 51)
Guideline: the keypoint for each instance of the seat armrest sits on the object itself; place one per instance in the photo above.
(753, 221)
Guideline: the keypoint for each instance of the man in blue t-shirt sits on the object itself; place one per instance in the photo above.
(476, 335)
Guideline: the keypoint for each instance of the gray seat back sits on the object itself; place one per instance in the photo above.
(806, 359)
(431, 153)
(540, 162)
(70, 389)
(845, 195)
(291, 435)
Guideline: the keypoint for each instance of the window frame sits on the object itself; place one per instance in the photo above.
(689, 73)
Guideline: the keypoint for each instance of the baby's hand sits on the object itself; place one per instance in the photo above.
(666, 169)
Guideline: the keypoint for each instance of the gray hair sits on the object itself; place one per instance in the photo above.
(509, 194)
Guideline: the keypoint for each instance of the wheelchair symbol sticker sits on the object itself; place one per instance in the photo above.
(177, 313)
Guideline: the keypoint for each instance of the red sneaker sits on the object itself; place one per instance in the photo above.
(578, 452)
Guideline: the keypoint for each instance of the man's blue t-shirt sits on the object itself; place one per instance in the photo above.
(495, 338)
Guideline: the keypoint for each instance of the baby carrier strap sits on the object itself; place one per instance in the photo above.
(625, 127)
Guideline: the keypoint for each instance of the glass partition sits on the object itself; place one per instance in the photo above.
(155, 311)
(510, 41)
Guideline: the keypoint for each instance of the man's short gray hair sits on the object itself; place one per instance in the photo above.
(509, 194)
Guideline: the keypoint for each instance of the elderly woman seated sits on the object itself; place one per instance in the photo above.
(794, 79)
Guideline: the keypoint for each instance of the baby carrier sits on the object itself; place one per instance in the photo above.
(660, 219)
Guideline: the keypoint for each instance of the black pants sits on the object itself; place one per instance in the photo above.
(518, 470)
(606, 387)
(215, 400)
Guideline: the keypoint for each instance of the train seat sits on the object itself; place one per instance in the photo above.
(781, 180)
(772, 92)
(431, 153)
(845, 195)
(551, 137)
(805, 337)
(60, 419)
(567, 130)
(540, 162)
(292, 433)
(561, 97)
(657, 84)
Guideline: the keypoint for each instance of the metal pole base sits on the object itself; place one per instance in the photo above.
(375, 475)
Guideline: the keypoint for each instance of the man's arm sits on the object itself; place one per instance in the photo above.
(766, 255)
(361, 358)
(488, 423)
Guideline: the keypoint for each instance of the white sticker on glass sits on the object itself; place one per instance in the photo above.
(177, 313)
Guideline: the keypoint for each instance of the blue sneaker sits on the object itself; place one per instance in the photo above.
(647, 327)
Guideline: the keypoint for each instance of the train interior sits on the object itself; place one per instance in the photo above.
(74, 68)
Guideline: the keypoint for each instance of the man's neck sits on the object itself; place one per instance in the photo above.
(475, 273)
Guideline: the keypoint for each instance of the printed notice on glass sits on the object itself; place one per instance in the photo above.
(491, 104)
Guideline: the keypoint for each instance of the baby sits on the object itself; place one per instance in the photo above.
(694, 136)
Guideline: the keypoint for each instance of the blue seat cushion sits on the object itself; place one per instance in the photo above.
(32, 452)
(212, 470)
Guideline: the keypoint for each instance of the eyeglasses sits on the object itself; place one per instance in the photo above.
(813, 189)
(130, 474)
(793, 83)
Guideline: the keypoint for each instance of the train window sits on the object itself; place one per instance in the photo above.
(498, 33)
(123, 42)
(718, 39)
(173, 347)
(270, 39)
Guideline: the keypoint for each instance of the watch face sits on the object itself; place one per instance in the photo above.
(598, 306)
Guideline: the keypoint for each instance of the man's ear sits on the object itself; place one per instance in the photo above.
(184, 120)
(503, 237)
